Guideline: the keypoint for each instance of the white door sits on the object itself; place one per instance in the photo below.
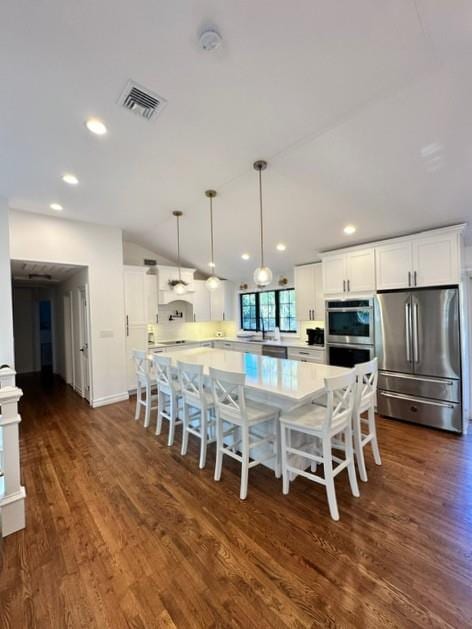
(394, 265)
(361, 271)
(305, 292)
(435, 260)
(334, 274)
(84, 341)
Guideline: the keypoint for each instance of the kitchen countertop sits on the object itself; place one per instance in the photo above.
(296, 343)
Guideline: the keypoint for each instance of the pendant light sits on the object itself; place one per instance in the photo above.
(262, 275)
(213, 281)
(180, 288)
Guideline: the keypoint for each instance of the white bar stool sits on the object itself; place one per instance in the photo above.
(145, 380)
(194, 396)
(365, 400)
(168, 395)
(323, 423)
(232, 407)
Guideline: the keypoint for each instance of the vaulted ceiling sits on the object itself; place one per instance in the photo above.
(362, 110)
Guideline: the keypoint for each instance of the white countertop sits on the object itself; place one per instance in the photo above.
(280, 378)
(284, 342)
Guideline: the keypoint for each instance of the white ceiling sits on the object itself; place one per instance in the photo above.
(361, 108)
(22, 271)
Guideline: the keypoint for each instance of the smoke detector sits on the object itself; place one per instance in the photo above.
(141, 101)
(210, 40)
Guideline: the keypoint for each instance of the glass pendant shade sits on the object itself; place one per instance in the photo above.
(180, 289)
(262, 276)
(213, 282)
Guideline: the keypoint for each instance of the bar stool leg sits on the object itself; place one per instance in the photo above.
(244, 462)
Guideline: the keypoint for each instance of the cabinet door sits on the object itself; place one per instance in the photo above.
(334, 274)
(201, 301)
(305, 291)
(319, 305)
(393, 265)
(221, 302)
(361, 271)
(135, 295)
(436, 260)
(151, 298)
(136, 338)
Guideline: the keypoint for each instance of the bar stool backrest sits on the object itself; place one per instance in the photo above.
(228, 394)
(339, 401)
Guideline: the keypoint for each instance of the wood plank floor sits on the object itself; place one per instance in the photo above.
(124, 532)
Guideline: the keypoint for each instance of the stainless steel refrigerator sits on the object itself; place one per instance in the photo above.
(418, 347)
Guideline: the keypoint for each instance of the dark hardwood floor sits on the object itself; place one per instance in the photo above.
(124, 532)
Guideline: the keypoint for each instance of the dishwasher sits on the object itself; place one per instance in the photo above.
(276, 351)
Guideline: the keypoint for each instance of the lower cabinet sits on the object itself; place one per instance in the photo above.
(308, 355)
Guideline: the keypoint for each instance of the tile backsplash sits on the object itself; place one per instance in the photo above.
(171, 330)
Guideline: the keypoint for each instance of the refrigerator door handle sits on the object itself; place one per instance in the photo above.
(409, 278)
(411, 398)
(408, 331)
(416, 356)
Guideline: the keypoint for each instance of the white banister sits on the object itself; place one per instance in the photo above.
(12, 493)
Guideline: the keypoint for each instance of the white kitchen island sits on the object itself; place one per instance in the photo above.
(280, 382)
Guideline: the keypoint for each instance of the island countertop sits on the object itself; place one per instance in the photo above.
(279, 381)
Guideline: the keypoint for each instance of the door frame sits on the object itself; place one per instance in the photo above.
(84, 339)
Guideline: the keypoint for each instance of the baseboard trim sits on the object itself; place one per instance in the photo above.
(110, 399)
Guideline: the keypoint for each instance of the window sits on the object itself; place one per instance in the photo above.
(269, 309)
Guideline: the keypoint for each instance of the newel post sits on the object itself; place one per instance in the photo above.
(12, 493)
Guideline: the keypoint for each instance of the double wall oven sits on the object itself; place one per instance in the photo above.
(350, 325)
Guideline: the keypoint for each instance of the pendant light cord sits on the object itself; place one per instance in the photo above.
(178, 247)
(262, 222)
(211, 237)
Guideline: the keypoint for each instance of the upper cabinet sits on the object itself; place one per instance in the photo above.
(135, 285)
(168, 274)
(152, 299)
(425, 260)
(309, 292)
(201, 301)
(349, 272)
(221, 302)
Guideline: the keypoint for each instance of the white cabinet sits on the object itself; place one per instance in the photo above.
(135, 295)
(349, 272)
(201, 301)
(307, 355)
(221, 302)
(334, 274)
(425, 260)
(151, 298)
(436, 260)
(168, 274)
(394, 263)
(309, 292)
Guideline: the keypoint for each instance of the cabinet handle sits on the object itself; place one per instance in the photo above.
(409, 278)
(414, 278)
(194, 317)
(344, 286)
(305, 353)
(223, 316)
(127, 326)
(157, 318)
(349, 286)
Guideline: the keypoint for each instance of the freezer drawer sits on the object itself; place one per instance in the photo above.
(434, 413)
(447, 389)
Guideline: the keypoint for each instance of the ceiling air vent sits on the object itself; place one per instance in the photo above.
(141, 101)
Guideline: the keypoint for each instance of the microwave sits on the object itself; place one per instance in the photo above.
(350, 321)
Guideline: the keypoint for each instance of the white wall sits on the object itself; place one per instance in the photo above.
(34, 237)
(135, 254)
(6, 318)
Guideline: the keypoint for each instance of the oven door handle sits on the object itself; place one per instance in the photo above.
(367, 309)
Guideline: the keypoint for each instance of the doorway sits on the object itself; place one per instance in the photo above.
(45, 336)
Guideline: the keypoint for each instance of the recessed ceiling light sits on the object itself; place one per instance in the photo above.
(94, 125)
(349, 230)
(245, 256)
(56, 206)
(70, 179)
(281, 246)
(211, 265)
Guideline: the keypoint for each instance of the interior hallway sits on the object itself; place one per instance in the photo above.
(122, 531)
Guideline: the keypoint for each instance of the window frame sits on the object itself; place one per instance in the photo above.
(277, 292)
